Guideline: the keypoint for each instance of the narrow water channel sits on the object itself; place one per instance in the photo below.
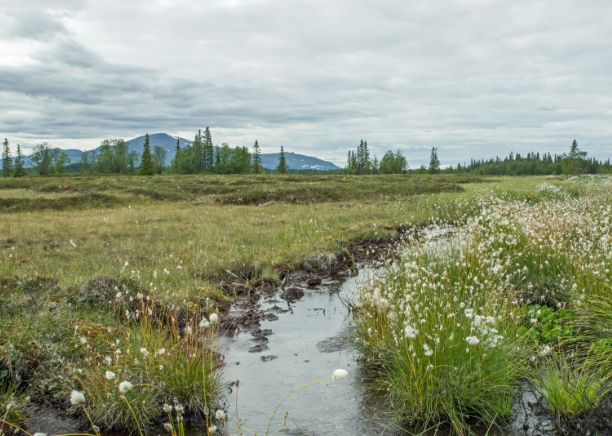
(309, 340)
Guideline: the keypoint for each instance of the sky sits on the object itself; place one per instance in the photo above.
(473, 78)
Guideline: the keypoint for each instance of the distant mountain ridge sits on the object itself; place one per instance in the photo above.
(168, 142)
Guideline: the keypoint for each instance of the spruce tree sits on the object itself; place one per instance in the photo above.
(19, 170)
(208, 151)
(176, 162)
(282, 162)
(257, 164)
(147, 166)
(197, 154)
(6, 159)
(434, 162)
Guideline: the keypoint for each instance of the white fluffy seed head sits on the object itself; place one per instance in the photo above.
(110, 375)
(77, 398)
(339, 374)
(214, 318)
(125, 386)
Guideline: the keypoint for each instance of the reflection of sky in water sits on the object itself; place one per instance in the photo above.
(327, 408)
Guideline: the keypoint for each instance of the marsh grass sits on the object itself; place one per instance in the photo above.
(443, 323)
(570, 388)
(179, 240)
(437, 325)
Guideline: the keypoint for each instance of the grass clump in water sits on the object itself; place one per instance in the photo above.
(439, 327)
(569, 387)
(447, 327)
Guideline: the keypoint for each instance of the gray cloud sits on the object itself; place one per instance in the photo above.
(474, 78)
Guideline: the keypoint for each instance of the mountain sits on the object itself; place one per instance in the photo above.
(297, 162)
(168, 142)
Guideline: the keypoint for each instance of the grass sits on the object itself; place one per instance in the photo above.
(568, 389)
(69, 245)
(449, 328)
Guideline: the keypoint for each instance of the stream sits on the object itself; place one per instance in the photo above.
(309, 340)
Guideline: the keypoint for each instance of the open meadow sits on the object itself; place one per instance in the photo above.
(114, 290)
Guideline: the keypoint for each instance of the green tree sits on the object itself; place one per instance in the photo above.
(434, 162)
(147, 166)
(208, 151)
(120, 161)
(61, 162)
(393, 163)
(132, 161)
(105, 158)
(159, 157)
(43, 158)
(196, 159)
(87, 161)
(19, 170)
(6, 159)
(257, 164)
(574, 162)
(282, 162)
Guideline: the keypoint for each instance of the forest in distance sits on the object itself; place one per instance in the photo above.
(202, 157)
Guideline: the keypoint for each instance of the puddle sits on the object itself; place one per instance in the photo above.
(308, 341)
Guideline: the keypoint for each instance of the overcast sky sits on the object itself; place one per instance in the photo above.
(474, 78)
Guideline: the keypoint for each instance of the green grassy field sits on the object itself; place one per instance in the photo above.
(88, 261)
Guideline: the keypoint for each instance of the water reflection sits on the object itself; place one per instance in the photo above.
(310, 339)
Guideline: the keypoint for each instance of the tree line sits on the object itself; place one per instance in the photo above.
(359, 162)
(114, 156)
(574, 162)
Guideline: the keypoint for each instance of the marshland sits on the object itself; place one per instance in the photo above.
(129, 303)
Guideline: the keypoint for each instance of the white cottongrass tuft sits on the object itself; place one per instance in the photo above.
(472, 340)
(77, 398)
(212, 428)
(167, 408)
(110, 375)
(410, 332)
(39, 434)
(339, 374)
(220, 415)
(214, 318)
(168, 426)
(204, 324)
(125, 386)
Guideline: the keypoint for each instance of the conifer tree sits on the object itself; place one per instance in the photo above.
(208, 151)
(147, 166)
(257, 164)
(6, 159)
(197, 149)
(574, 162)
(19, 170)
(282, 162)
(176, 162)
(434, 162)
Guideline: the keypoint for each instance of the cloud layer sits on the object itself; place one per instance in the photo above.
(475, 78)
